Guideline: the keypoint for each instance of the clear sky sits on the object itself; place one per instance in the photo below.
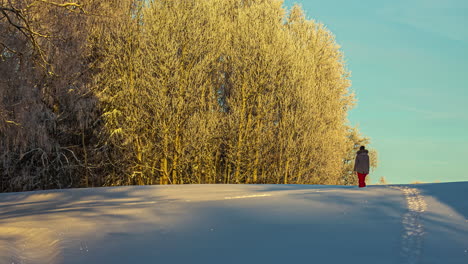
(409, 64)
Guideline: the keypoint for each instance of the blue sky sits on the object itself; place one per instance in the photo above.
(409, 64)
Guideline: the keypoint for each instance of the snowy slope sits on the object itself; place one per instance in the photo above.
(425, 223)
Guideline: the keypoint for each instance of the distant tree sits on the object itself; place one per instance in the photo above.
(382, 180)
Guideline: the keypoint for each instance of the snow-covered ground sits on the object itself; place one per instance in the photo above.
(425, 223)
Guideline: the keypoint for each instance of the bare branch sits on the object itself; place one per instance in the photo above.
(71, 6)
(23, 24)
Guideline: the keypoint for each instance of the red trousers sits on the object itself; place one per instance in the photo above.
(362, 179)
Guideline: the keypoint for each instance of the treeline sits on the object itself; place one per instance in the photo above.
(102, 93)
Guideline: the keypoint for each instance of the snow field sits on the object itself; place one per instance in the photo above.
(411, 224)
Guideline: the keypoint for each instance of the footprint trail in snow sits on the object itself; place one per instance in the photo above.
(413, 228)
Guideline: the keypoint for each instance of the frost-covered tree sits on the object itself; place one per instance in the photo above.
(229, 91)
(170, 92)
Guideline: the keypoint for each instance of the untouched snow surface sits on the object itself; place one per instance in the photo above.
(408, 224)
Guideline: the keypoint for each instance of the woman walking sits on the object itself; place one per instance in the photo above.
(361, 165)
